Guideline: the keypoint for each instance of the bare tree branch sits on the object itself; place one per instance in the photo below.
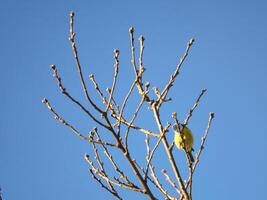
(194, 107)
(116, 70)
(114, 120)
(175, 74)
(77, 61)
(168, 179)
(169, 153)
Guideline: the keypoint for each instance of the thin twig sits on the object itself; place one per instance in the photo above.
(175, 74)
(113, 102)
(168, 179)
(72, 128)
(189, 156)
(190, 167)
(145, 131)
(132, 120)
(194, 107)
(67, 94)
(154, 149)
(169, 153)
(109, 127)
(123, 106)
(141, 67)
(102, 185)
(103, 97)
(159, 185)
(99, 173)
(101, 165)
(116, 70)
(138, 74)
(203, 139)
(115, 166)
(62, 121)
(78, 65)
(103, 114)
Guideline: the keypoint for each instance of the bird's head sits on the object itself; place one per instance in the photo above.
(177, 128)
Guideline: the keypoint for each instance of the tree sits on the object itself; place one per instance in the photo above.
(114, 122)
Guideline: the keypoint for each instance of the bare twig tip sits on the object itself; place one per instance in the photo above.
(44, 101)
(191, 41)
(72, 13)
(212, 114)
(141, 38)
(174, 115)
(53, 66)
(116, 51)
(116, 54)
(131, 29)
(86, 156)
(108, 90)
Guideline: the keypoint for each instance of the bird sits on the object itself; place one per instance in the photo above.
(184, 139)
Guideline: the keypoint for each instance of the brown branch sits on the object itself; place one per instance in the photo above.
(175, 74)
(116, 70)
(159, 185)
(62, 121)
(194, 107)
(114, 182)
(203, 139)
(156, 182)
(116, 114)
(124, 104)
(143, 171)
(65, 93)
(78, 65)
(190, 167)
(115, 166)
(126, 153)
(141, 67)
(168, 179)
(150, 155)
(145, 131)
(131, 31)
(113, 103)
(169, 153)
(109, 126)
(131, 122)
(102, 185)
(146, 189)
(121, 119)
(189, 156)
(138, 75)
(71, 127)
(103, 171)
(103, 97)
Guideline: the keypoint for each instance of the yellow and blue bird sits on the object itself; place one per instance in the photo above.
(184, 139)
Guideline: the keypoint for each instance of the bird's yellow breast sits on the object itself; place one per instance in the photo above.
(187, 138)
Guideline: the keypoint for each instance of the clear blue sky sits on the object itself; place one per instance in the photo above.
(40, 159)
